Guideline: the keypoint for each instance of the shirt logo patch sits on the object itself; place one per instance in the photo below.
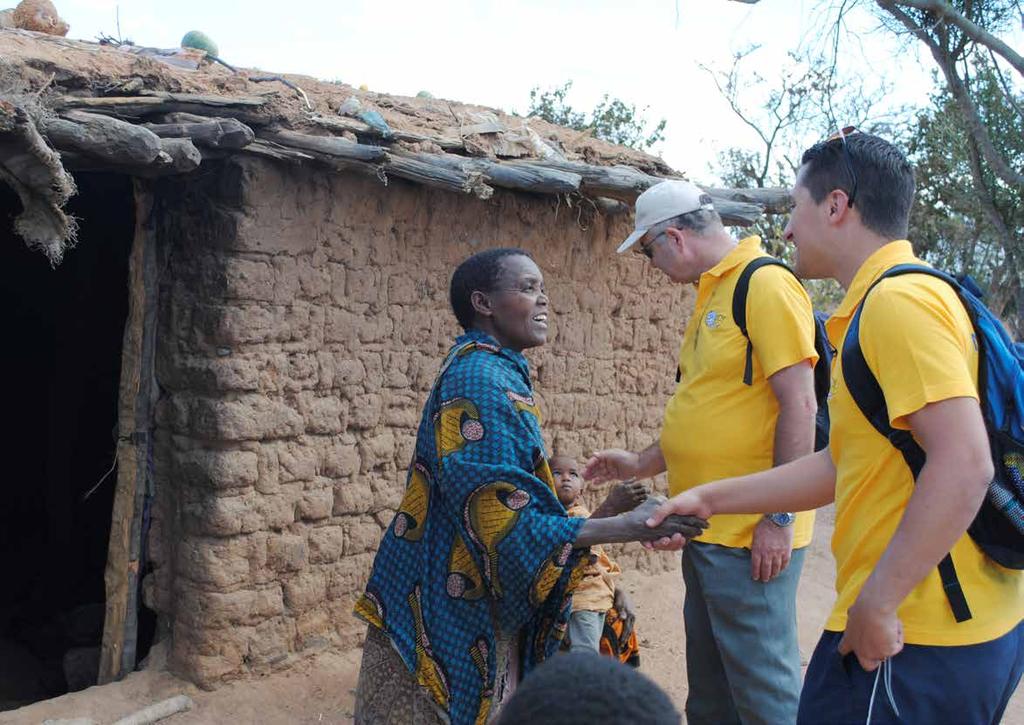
(713, 320)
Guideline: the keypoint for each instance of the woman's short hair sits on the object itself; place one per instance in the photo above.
(477, 273)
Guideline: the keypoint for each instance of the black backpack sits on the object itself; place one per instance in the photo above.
(823, 368)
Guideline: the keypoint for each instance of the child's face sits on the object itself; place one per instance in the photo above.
(568, 481)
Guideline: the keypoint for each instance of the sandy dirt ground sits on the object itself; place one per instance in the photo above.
(321, 690)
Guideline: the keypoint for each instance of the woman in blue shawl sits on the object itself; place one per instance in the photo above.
(472, 584)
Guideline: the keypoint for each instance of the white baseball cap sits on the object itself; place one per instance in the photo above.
(662, 201)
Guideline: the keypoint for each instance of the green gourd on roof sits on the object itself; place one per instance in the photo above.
(200, 41)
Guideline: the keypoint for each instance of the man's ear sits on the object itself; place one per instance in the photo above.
(675, 238)
(838, 206)
(481, 303)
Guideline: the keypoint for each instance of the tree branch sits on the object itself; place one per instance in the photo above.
(971, 29)
(984, 196)
(975, 126)
(1007, 91)
(730, 96)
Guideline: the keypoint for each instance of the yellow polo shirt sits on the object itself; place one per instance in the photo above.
(918, 341)
(715, 426)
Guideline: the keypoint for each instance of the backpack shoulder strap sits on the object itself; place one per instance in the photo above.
(862, 383)
(739, 306)
(902, 269)
(868, 395)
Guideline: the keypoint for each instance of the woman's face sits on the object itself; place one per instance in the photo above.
(519, 305)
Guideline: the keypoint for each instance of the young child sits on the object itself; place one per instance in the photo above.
(596, 595)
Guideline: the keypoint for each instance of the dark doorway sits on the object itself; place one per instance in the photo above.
(60, 374)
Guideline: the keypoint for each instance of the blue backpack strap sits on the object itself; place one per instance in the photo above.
(868, 395)
(739, 307)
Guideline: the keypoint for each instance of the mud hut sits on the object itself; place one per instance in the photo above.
(226, 301)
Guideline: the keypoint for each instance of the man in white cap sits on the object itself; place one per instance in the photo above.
(743, 403)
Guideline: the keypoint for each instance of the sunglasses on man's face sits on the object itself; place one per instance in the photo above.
(841, 135)
(647, 248)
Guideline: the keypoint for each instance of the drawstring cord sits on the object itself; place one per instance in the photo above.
(884, 672)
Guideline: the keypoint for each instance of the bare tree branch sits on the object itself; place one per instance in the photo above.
(1007, 91)
(970, 29)
(782, 107)
(984, 196)
(946, 63)
(729, 92)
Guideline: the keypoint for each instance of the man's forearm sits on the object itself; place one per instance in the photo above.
(945, 500)
(794, 433)
(652, 461)
(801, 485)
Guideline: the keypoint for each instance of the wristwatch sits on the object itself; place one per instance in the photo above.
(782, 519)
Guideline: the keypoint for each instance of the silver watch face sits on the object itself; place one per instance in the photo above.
(782, 519)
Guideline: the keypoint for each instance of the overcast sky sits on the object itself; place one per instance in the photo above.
(492, 53)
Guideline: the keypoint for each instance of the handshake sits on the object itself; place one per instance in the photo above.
(636, 510)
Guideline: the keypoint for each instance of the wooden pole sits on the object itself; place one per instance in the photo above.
(774, 200)
(615, 182)
(217, 133)
(340, 124)
(328, 145)
(533, 178)
(429, 173)
(245, 108)
(136, 404)
(102, 137)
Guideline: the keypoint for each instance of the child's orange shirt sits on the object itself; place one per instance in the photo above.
(596, 592)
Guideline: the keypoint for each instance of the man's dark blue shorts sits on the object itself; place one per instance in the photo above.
(968, 684)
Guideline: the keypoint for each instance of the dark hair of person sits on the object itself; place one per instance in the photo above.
(885, 180)
(582, 688)
(477, 273)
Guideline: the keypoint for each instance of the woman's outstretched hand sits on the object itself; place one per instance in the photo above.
(636, 525)
(686, 505)
(669, 526)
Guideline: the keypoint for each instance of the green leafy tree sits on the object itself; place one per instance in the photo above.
(611, 119)
(978, 113)
(955, 227)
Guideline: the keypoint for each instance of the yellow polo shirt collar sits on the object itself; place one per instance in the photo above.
(883, 258)
(745, 249)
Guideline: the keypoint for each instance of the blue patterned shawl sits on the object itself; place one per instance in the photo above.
(480, 539)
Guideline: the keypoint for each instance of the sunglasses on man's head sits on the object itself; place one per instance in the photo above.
(841, 135)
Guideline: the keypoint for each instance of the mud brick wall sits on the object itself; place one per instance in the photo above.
(303, 317)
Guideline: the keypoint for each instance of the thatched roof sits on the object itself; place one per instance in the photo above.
(147, 112)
